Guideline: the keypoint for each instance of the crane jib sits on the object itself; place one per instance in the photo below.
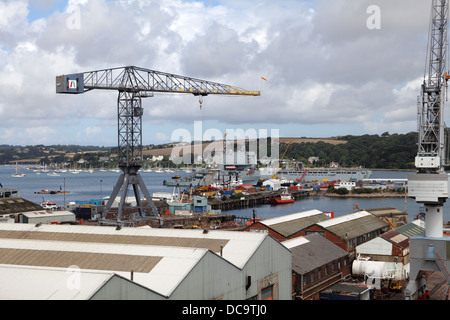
(132, 79)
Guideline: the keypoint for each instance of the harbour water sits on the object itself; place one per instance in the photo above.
(99, 184)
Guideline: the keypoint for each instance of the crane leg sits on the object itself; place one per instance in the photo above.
(127, 178)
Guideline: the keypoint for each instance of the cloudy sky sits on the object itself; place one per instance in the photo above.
(333, 67)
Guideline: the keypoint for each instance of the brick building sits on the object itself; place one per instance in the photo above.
(350, 230)
(317, 264)
(288, 226)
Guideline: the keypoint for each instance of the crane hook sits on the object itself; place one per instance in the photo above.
(201, 102)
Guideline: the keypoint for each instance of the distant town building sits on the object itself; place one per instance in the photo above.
(349, 185)
(313, 159)
(157, 158)
(334, 164)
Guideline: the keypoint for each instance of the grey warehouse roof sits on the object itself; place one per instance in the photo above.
(312, 251)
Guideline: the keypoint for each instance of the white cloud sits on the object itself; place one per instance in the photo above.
(92, 132)
(13, 13)
(162, 137)
(30, 136)
(323, 65)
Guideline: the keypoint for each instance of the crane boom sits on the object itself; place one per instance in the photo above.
(135, 79)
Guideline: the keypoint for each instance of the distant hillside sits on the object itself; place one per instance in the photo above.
(387, 151)
(332, 141)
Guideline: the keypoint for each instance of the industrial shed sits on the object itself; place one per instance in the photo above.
(288, 226)
(12, 205)
(43, 216)
(146, 263)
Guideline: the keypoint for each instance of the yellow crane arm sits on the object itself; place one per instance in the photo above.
(276, 170)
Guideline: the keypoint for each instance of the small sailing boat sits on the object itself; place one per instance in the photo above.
(18, 174)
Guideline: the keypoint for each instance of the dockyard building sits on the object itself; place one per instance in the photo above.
(388, 253)
(350, 230)
(43, 216)
(11, 202)
(288, 226)
(98, 262)
(317, 264)
(393, 216)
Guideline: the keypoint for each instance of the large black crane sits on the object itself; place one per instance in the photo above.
(133, 84)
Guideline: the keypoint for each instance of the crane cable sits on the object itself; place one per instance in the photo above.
(202, 109)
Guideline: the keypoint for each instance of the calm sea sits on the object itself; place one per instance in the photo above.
(86, 186)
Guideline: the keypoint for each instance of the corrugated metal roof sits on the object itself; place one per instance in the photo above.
(236, 247)
(211, 244)
(292, 223)
(390, 212)
(290, 217)
(84, 260)
(295, 242)
(316, 252)
(344, 218)
(41, 213)
(109, 257)
(16, 205)
(160, 258)
(33, 283)
(353, 225)
(411, 230)
(396, 238)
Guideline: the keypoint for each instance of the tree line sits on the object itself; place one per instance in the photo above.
(385, 151)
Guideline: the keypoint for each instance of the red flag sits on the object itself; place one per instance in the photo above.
(264, 78)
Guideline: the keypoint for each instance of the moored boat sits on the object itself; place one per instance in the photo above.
(284, 197)
(49, 205)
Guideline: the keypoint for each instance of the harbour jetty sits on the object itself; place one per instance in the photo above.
(361, 195)
(252, 199)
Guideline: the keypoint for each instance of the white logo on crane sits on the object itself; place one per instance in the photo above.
(72, 84)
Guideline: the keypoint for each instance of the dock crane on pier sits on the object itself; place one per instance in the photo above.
(430, 184)
(133, 84)
(274, 176)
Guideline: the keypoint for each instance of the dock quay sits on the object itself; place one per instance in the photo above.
(165, 220)
(209, 215)
(251, 200)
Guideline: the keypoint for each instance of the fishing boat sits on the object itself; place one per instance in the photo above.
(284, 197)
